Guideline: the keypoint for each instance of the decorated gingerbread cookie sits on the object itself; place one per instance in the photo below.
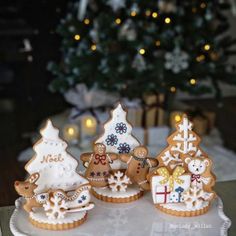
(106, 165)
(57, 197)
(182, 185)
(117, 136)
(138, 166)
(98, 165)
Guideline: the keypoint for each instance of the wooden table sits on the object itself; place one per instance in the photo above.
(226, 190)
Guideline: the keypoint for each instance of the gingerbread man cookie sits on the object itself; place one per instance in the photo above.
(99, 165)
(138, 166)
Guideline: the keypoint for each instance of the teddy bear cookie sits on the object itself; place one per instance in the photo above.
(56, 196)
(182, 184)
(114, 183)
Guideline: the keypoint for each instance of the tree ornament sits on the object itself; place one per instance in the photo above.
(116, 4)
(94, 32)
(176, 60)
(134, 10)
(82, 7)
(168, 6)
(127, 31)
(103, 66)
(208, 15)
(139, 63)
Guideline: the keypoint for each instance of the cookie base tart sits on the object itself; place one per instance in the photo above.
(72, 220)
(180, 209)
(133, 193)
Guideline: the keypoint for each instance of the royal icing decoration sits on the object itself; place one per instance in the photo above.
(54, 191)
(184, 180)
(56, 167)
(99, 165)
(171, 179)
(117, 136)
(165, 184)
(55, 208)
(195, 197)
(118, 182)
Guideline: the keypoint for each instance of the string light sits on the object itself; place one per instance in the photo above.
(177, 118)
(89, 122)
(203, 5)
(200, 58)
(86, 21)
(142, 51)
(148, 13)
(167, 20)
(77, 37)
(71, 131)
(118, 21)
(133, 13)
(173, 89)
(207, 47)
(154, 14)
(192, 81)
(93, 47)
(158, 43)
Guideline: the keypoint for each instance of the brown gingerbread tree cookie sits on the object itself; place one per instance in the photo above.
(138, 166)
(184, 170)
(98, 165)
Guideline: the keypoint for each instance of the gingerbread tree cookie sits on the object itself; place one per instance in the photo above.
(117, 136)
(109, 180)
(138, 166)
(99, 165)
(184, 167)
(56, 196)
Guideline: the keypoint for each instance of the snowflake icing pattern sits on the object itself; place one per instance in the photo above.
(121, 128)
(124, 148)
(111, 139)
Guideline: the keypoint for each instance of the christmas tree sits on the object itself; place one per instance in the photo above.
(53, 162)
(137, 47)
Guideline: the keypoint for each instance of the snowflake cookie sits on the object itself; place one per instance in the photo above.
(118, 182)
(55, 208)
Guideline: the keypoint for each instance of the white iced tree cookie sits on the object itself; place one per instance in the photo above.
(57, 168)
(117, 136)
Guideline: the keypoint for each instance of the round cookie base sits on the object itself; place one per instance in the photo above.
(117, 199)
(183, 213)
(58, 227)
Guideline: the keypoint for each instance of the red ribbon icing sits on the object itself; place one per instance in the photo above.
(100, 158)
(195, 178)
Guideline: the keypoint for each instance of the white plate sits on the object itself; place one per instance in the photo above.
(135, 218)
